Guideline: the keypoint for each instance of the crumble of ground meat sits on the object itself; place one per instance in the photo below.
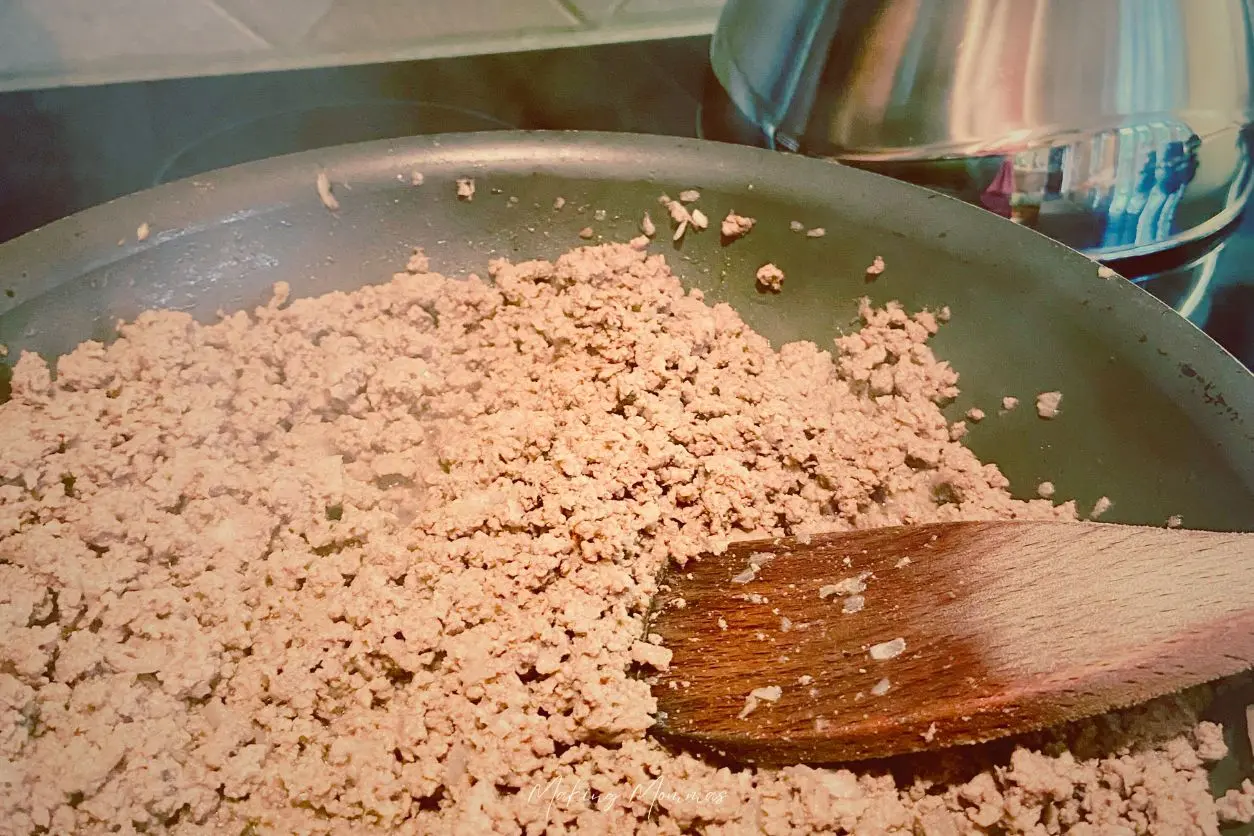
(887, 650)
(736, 226)
(770, 693)
(466, 188)
(378, 562)
(1237, 805)
(323, 185)
(418, 262)
(770, 278)
(1048, 404)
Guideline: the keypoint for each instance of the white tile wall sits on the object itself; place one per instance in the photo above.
(47, 43)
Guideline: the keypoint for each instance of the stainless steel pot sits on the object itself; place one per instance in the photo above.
(1115, 126)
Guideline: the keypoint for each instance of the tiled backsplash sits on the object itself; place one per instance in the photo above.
(47, 43)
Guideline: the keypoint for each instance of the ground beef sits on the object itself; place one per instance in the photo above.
(770, 278)
(736, 226)
(378, 562)
(1048, 404)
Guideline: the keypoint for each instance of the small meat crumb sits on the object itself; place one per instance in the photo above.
(418, 262)
(876, 267)
(1100, 507)
(887, 650)
(416, 178)
(586, 233)
(722, 623)
(736, 226)
(558, 203)
(689, 196)
(1104, 272)
(141, 234)
(280, 292)
(785, 624)
(817, 232)
(1209, 739)
(1045, 490)
(848, 586)
(599, 215)
(929, 735)
(760, 559)
(853, 604)
(902, 564)
(678, 212)
(796, 226)
(466, 188)
(1009, 402)
(771, 693)
(699, 220)
(1175, 521)
(880, 688)
(656, 657)
(647, 226)
(323, 184)
(805, 679)
(1237, 806)
(1048, 403)
(770, 278)
(975, 415)
(640, 242)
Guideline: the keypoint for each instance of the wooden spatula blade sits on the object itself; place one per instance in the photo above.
(1007, 627)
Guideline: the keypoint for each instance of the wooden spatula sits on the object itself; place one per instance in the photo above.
(964, 632)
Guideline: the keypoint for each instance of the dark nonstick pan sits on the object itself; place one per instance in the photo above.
(1155, 415)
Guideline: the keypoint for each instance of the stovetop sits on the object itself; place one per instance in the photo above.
(77, 147)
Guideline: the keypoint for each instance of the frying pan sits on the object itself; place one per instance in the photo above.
(1155, 415)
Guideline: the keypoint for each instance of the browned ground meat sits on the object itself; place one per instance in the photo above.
(378, 561)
